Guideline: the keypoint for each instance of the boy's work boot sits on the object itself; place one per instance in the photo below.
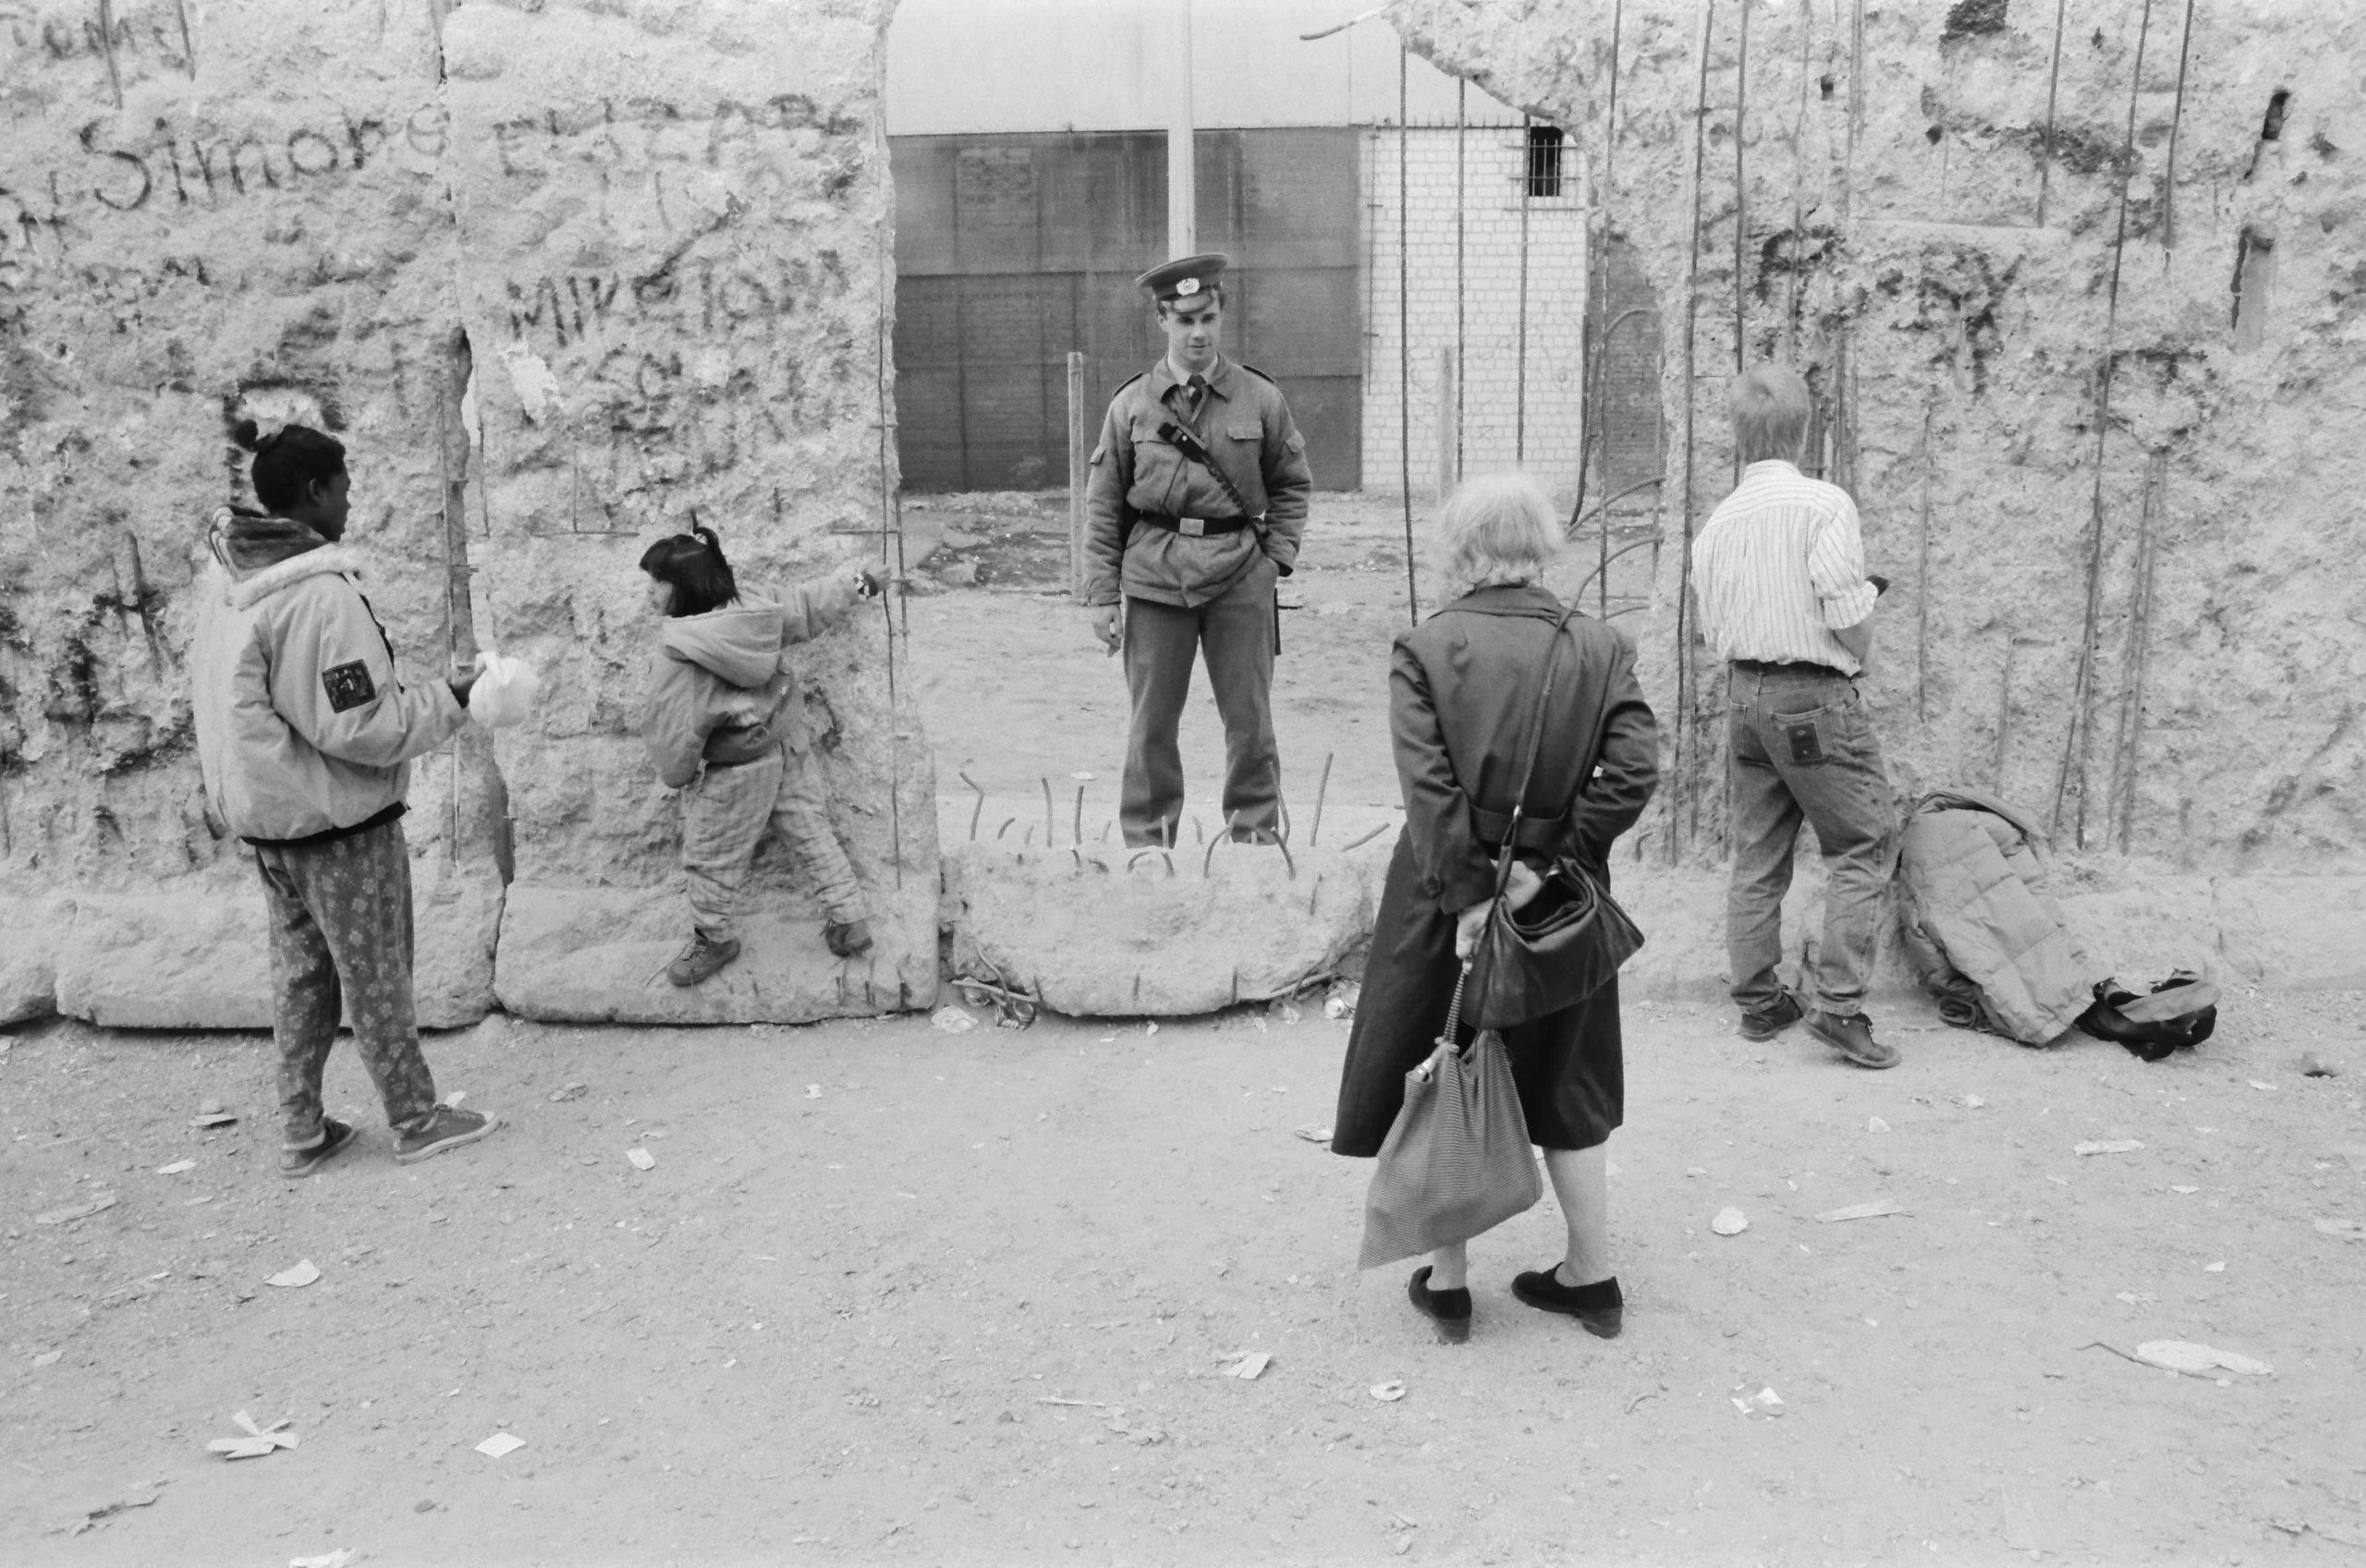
(701, 958)
(1852, 1036)
(850, 939)
(449, 1128)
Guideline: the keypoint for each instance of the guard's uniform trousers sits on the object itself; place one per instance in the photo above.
(1197, 575)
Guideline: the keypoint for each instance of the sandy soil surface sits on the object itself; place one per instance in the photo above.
(893, 1294)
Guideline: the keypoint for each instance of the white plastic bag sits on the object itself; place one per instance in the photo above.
(504, 691)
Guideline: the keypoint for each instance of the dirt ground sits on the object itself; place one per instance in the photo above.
(893, 1294)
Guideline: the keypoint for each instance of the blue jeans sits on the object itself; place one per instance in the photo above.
(1802, 747)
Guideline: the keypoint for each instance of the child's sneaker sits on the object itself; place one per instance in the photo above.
(850, 939)
(335, 1135)
(448, 1129)
(701, 958)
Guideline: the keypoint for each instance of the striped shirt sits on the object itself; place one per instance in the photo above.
(1780, 568)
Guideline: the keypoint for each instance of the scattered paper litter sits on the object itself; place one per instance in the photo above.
(566, 1093)
(49, 1358)
(1876, 1125)
(255, 1441)
(812, 1092)
(640, 1159)
(177, 1167)
(2184, 1189)
(2315, 1066)
(1084, 776)
(1873, 1210)
(297, 1275)
(1150, 1028)
(1765, 1401)
(89, 1518)
(337, 1559)
(2183, 1355)
(1389, 1392)
(1314, 1133)
(1973, 1102)
(1729, 1223)
(2213, 1268)
(2348, 1230)
(67, 1216)
(500, 1443)
(2264, 1088)
(1247, 1365)
(212, 1119)
(2117, 1146)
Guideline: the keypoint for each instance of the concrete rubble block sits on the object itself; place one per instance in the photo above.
(573, 954)
(193, 953)
(2145, 931)
(2304, 932)
(1092, 939)
(31, 926)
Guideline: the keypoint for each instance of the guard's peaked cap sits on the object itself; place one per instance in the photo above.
(1184, 278)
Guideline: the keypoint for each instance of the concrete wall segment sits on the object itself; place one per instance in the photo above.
(1890, 188)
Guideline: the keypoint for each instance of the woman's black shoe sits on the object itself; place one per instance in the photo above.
(1449, 1309)
(1598, 1308)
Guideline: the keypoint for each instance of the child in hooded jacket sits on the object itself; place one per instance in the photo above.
(725, 725)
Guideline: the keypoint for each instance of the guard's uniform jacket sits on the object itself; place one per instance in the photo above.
(1246, 429)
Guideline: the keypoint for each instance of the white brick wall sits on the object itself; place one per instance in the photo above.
(1493, 162)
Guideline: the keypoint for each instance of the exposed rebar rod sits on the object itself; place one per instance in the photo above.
(2176, 119)
(2079, 741)
(1799, 181)
(1741, 208)
(2129, 740)
(1682, 750)
(891, 522)
(1596, 400)
(1404, 332)
(1922, 586)
(2052, 84)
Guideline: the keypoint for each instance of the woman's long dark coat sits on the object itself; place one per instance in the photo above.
(1462, 687)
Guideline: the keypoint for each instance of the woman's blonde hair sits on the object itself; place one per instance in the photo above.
(1492, 530)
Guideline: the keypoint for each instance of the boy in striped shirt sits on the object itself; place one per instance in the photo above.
(1784, 601)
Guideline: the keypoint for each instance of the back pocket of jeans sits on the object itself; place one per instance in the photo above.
(1802, 737)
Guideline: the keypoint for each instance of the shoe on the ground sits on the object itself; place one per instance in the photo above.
(1598, 1308)
(1448, 1309)
(335, 1135)
(848, 939)
(1852, 1036)
(701, 958)
(449, 1129)
(1767, 1025)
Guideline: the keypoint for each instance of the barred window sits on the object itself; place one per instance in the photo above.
(1544, 144)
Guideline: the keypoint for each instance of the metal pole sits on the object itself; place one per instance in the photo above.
(1404, 331)
(1741, 209)
(1182, 171)
(1684, 561)
(1080, 454)
(1519, 384)
(1450, 391)
(2052, 80)
(1461, 136)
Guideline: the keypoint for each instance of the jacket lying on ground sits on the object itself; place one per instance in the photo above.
(720, 690)
(1974, 907)
(302, 727)
(1461, 688)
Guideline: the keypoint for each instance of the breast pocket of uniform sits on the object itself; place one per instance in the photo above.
(1156, 463)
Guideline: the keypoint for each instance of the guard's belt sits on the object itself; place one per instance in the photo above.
(1535, 832)
(1195, 528)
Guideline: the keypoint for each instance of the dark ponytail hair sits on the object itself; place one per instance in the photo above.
(289, 461)
(692, 565)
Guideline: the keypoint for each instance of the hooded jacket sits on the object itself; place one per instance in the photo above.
(304, 730)
(720, 690)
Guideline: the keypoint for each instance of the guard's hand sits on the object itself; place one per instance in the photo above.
(1105, 627)
(1523, 887)
(1468, 928)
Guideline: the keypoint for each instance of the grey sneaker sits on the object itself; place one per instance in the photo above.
(701, 958)
(1852, 1036)
(449, 1128)
(335, 1135)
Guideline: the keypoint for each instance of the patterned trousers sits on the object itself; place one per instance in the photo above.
(724, 813)
(341, 944)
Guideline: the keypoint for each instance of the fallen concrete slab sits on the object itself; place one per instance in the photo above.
(572, 955)
(1136, 934)
(192, 955)
(30, 927)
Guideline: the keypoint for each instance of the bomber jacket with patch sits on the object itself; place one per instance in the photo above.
(720, 689)
(1247, 428)
(304, 730)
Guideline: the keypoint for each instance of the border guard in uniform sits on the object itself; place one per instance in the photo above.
(1195, 508)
